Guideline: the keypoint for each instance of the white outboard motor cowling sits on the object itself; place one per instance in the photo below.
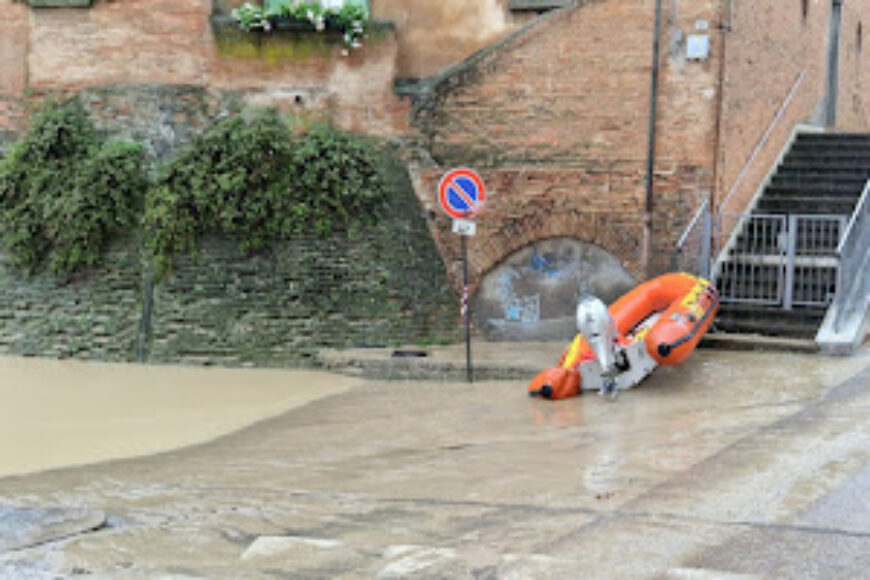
(598, 328)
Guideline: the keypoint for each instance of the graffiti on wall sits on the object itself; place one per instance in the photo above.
(534, 292)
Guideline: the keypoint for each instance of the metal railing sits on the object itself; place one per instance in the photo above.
(852, 284)
(764, 139)
(754, 269)
(811, 262)
(693, 251)
(781, 260)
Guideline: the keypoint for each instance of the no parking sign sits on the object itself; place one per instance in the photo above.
(461, 193)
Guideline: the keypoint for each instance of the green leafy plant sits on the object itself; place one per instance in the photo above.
(338, 174)
(350, 19)
(251, 17)
(64, 192)
(254, 179)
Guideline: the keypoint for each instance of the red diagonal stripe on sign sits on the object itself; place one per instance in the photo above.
(458, 190)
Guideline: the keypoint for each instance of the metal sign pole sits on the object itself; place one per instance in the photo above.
(462, 194)
(466, 310)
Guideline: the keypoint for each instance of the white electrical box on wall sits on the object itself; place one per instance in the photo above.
(698, 47)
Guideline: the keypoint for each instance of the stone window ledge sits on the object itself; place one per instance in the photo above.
(59, 3)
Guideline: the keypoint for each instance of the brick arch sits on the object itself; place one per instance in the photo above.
(621, 236)
(532, 292)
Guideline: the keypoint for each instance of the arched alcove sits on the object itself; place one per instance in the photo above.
(532, 294)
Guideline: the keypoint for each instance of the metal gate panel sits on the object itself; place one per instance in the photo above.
(781, 260)
(811, 268)
(754, 269)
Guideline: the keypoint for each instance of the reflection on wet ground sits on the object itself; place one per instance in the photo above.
(677, 478)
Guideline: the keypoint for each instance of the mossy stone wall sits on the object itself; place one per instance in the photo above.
(383, 285)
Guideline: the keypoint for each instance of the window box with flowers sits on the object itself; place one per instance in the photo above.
(347, 17)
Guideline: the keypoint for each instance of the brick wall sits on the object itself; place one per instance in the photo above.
(854, 104)
(14, 33)
(156, 43)
(686, 124)
(556, 119)
(767, 49)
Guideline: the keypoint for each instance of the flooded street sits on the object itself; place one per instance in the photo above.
(735, 463)
(60, 413)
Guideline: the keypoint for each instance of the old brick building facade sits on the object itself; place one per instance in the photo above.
(554, 113)
(556, 117)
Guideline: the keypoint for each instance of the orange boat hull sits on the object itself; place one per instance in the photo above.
(687, 306)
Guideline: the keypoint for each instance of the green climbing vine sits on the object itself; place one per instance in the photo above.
(65, 191)
(257, 180)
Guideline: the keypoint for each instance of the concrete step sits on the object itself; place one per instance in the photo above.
(833, 138)
(844, 158)
(823, 174)
(859, 147)
(732, 341)
(767, 243)
(827, 181)
(832, 189)
(806, 168)
(802, 204)
(769, 320)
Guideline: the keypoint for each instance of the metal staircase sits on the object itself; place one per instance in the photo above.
(780, 270)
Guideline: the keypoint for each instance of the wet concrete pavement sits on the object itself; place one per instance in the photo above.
(736, 464)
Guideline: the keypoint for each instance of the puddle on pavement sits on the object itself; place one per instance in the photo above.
(680, 415)
(60, 413)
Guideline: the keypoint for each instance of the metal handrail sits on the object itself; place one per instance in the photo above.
(702, 217)
(692, 224)
(847, 234)
(851, 252)
(760, 145)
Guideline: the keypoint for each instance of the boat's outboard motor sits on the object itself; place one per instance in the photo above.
(598, 328)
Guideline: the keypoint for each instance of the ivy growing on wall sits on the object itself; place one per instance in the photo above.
(256, 180)
(65, 191)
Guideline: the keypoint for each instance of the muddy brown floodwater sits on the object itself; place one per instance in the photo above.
(59, 413)
(731, 465)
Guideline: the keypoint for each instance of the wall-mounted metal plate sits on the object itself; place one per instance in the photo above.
(698, 47)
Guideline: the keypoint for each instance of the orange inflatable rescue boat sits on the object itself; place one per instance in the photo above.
(659, 322)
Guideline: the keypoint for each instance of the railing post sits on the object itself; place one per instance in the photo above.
(791, 250)
(706, 240)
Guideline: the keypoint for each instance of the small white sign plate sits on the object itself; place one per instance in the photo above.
(464, 227)
(698, 47)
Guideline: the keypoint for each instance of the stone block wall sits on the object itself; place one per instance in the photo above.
(382, 285)
(94, 316)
